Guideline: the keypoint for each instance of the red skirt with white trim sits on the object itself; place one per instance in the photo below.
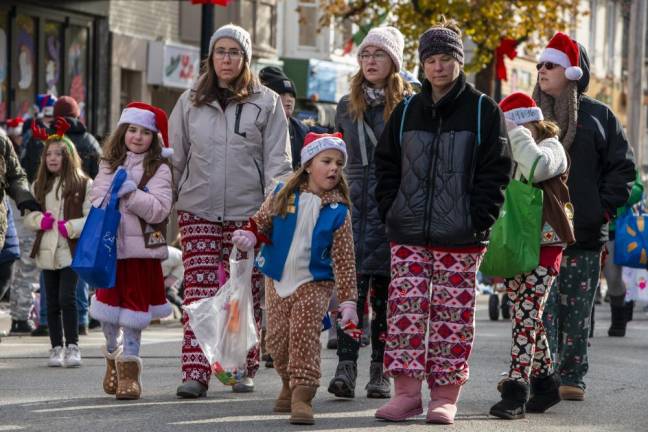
(137, 298)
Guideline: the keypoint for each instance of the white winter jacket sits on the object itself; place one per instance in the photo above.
(553, 159)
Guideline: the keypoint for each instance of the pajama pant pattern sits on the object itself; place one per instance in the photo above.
(293, 332)
(530, 350)
(205, 245)
(431, 314)
(568, 314)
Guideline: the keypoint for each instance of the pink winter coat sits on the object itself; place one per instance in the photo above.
(153, 206)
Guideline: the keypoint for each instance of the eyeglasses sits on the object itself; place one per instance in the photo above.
(547, 65)
(233, 54)
(378, 56)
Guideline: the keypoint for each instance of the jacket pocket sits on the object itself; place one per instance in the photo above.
(185, 174)
(261, 178)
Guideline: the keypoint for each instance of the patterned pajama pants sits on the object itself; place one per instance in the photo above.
(205, 245)
(294, 327)
(431, 313)
(530, 351)
(568, 314)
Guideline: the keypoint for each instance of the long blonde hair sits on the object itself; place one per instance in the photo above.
(543, 129)
(395, 90)
(72, 176)
(281, 200)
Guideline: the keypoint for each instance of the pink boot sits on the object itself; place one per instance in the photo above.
(406, 402)
(443, 404)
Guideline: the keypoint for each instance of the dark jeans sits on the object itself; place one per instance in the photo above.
(6, 276)
(347, 347)
(61, 299)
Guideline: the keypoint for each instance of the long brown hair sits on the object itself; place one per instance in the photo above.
(115, 151)
(395, 90)
(295, 181)
(543, 129)
(72, 176)
(207, 88)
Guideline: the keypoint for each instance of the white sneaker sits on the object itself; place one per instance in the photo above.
(246, 385)
(72, 356)
(55, 357)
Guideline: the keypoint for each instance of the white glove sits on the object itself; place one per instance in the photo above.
(127, 187)
(244, 240)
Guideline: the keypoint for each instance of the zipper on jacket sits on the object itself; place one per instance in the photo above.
(432, 166)
(262, 182)
(451, 150)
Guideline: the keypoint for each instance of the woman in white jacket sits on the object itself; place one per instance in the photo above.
(535, 145)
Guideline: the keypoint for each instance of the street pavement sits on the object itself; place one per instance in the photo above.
(34, 397)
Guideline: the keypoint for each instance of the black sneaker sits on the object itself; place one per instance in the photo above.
(83, 330)
(343, 383)
(21, 328)
(41, 330)
(94, 324)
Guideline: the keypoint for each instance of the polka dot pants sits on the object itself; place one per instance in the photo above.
(293, 333)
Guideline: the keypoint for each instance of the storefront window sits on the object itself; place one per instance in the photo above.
(53, 63)
(25, 68)
(77, 66)
(4, 93)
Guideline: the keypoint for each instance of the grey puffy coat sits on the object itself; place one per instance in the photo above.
(370, 241)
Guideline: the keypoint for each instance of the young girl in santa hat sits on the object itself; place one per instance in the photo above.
(539, 157)
(139, 145)
(309, 253)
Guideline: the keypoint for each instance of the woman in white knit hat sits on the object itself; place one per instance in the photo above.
(376, 89)
(230, 140)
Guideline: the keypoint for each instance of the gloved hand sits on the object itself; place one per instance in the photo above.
(244, 240)
(127, 187)
(30, 205)
(47, 223)
(62, 229)
(348, 313)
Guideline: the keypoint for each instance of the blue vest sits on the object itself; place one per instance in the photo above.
(272, 258)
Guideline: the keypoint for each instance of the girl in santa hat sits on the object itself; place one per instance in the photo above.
(309, 252)
(139, 145)
(540, 157)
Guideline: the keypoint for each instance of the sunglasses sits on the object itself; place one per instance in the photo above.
(547, 65)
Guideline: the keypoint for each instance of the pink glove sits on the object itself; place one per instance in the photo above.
(244, 240)
(127, 187)
(62, 229)
(348, 313)
(47, 223)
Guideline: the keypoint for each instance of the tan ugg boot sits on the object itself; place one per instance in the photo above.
(284, 400)
(110, 377)
(129, 385)
(300, 408)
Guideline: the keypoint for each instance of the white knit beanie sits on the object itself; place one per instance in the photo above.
(239, 34)
(388, 39)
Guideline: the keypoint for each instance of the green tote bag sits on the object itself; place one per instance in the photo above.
(514, 246)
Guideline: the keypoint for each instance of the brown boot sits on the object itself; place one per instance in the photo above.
(284, 400)
(110, 377)
(129, 385)
(301, 408)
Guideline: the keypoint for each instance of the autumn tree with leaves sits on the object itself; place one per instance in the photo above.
(485, 22)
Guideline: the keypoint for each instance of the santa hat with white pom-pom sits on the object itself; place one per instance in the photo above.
(563, 51)
(149, 117)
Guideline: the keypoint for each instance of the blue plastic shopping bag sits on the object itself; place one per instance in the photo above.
(95, 258)
(631, 241)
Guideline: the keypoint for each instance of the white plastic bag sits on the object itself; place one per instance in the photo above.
(224, 324)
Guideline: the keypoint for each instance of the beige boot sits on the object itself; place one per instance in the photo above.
(301, 408)
(284, 400)
(110, 377)
(129, 385)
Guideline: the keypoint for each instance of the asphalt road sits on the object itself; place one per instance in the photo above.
(34, 397)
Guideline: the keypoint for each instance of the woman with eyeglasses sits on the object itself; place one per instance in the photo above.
(230, 140)
(376, 89)
(442, 164)
(600, 178)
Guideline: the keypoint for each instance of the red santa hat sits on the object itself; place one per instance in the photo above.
(149, 117)
(316, 143)
(15, 126)
(520, 108)
(563, 51)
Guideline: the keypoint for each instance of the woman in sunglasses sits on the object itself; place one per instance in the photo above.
(230, 139)
(600, 178)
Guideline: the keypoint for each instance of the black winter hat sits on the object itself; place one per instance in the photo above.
(275, 79)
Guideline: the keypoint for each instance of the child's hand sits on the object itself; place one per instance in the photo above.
(127, 187)
(47, 223)
(62, 229)
(348, 313)
(244, 240)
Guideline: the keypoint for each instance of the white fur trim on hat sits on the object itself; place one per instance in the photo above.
(558, 57)
(388, 39)
(167, 152)
(139, 117)
(15, 131)
(48, 111)
(239, 34)
(524, 115)
(311, 150)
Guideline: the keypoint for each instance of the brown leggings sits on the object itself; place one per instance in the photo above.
(293, 332)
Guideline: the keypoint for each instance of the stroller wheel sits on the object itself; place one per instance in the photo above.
(493, 307)
(506, 307)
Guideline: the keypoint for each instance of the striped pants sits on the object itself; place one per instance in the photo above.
(205, 245)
